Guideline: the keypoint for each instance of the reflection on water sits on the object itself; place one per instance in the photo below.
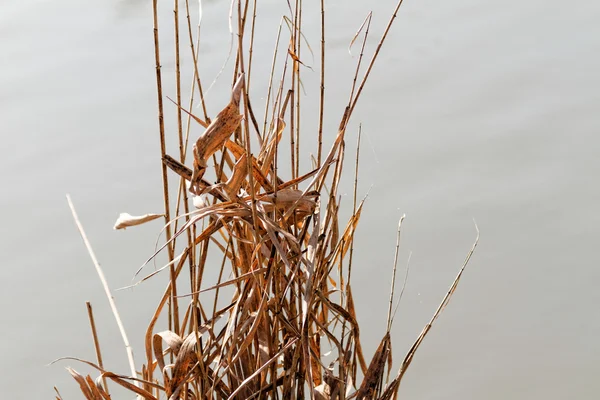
(474, 110)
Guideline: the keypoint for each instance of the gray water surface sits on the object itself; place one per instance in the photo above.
(475, 110)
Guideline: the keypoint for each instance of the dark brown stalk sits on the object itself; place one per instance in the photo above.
(374, 58)
(246, 125)
(163, 152)
(251, 49)
(264, 131)
(322, 92)
(298, 28)
(367, 25)
(389, 317)
(195, 55)
(96, 341)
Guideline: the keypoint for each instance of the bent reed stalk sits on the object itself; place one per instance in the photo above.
(281, 323)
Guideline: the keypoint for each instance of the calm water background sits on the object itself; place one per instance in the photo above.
(475, 109)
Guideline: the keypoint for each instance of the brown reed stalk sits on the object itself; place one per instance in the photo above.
(96, 341)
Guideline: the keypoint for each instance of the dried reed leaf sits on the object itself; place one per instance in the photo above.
(287, 198)
(348, 235)
(367, 19)
(85, 390)
(238, 151)
(234, 183)
(120, 379)
(198, 120)
(219, 130)
(173, 341)
(127, 220)
(352, 312)
(297, 59)
(375, 373)
(185, 359)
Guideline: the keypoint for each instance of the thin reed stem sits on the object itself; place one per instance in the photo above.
(322, 86)
(109, 296)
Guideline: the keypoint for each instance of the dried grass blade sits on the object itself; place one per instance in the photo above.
(374, 376)
(185, 359)
(85, 390)
(219, 130)
(367, 19)
(411, 353)
(352, 312)
(234, 183)
(173, 341)
(198, 120)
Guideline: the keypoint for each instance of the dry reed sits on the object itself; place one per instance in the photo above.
(283, 296)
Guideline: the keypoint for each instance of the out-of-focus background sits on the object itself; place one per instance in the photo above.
(475, 110)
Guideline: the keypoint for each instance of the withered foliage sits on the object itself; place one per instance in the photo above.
(280, 322)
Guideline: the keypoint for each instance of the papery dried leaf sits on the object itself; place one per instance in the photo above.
(367, 19)
(295, 58)
(237, 152)
(198, 120)
(226, 122)
(184, 361)
(352, 312)
(85, 390)
(375, 373)
(219, 130)
(127, 220)
(173, 341)
(348, 235)
(286, 198)
(120, 379)
(240, 170)
(267, 152)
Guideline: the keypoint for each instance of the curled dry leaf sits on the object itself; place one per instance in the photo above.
(226, 122)
(126, 220)
(234, 183)
(286, 198)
